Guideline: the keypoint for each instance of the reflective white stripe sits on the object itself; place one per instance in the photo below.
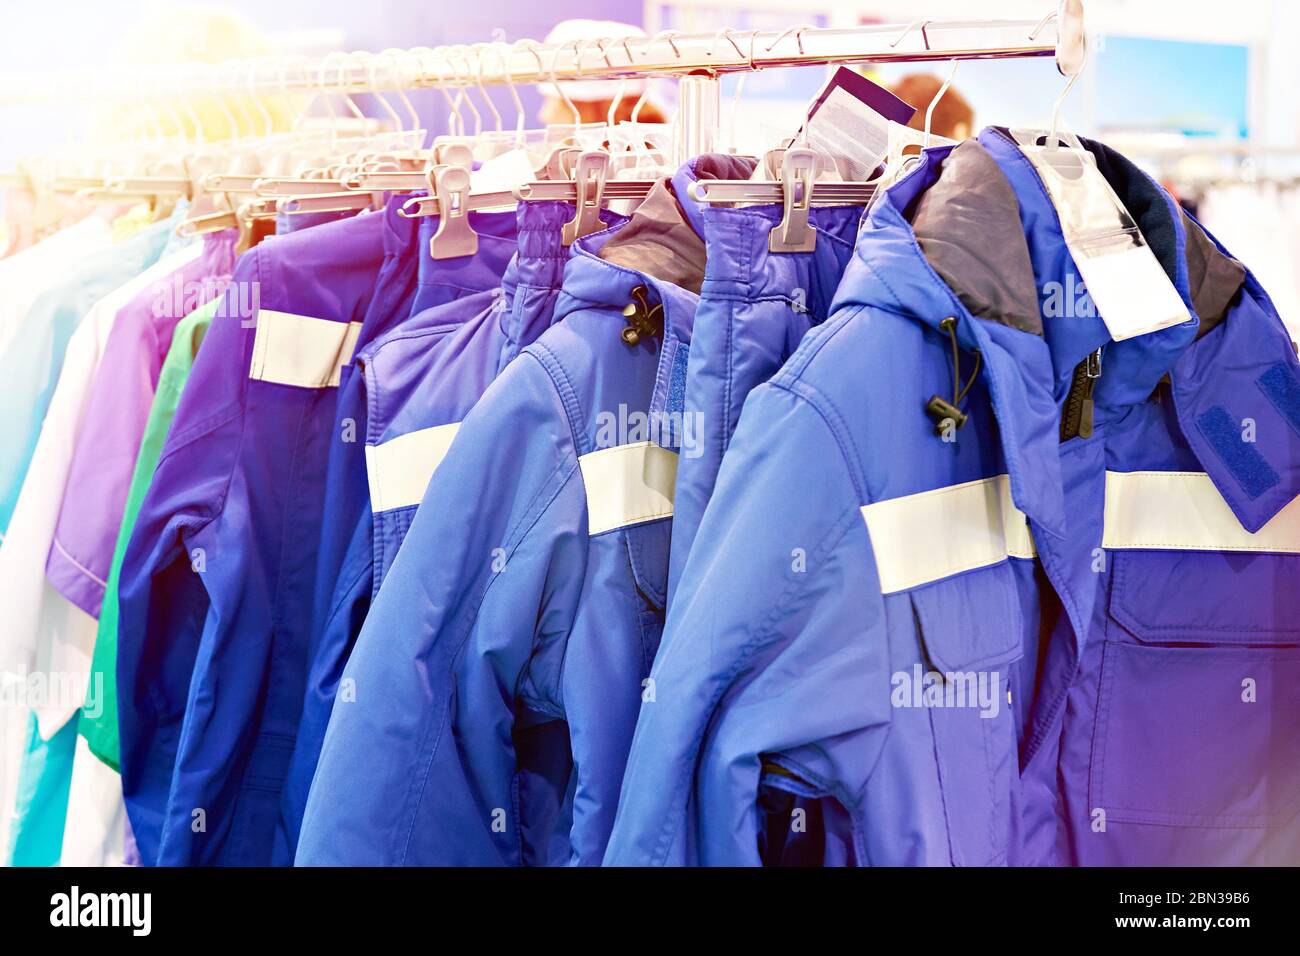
(399, 470)
(1183, 511)
(628, 484)
(299, 350)
(921, 538)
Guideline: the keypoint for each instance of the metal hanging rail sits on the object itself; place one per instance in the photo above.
(668, 54)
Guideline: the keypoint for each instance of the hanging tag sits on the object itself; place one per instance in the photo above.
(1129, 288)
(849, 122)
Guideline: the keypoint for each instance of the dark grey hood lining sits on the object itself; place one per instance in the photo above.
(659, 242)
(1214, 278)
(968, 226)
(659, 239)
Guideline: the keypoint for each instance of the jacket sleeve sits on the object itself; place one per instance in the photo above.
(104, 458)
(775, 642)
(162, 609)
(418, 764)
(163, 601)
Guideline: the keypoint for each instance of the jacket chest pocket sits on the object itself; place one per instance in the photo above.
(971, 633)
(1198, 714)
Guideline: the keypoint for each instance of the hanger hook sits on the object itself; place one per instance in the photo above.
(507, 76)
(268, 121)
(462, 87)
(798, 35)
(422, 55)
(740, 82)
(604, 54)
(611, 114)
(237, 97)
(342, 81)
(669, 35)
(477, 51)
(1033, 34)
(1060, 100)
(579, 49)
(573, 110)
(394, 57)
(929, 110)
(372, 71)
(908, 29)
(187, 104)
(329, 103)
(222, 102)
(300, 112)
(1056, 109)
(455, 122)
(617, 101)
(726, 34)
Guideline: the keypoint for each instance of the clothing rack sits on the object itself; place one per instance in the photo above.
(698, 60)
(526, 61)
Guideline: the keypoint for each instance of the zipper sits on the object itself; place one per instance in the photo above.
(1077, 415)
(651, 602)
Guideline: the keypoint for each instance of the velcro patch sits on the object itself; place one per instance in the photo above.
(1221, 430)
(1279, 383)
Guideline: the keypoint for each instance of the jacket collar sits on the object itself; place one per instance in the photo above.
(1236, 391)
(592, 282)
(605, 266)
(707, 167)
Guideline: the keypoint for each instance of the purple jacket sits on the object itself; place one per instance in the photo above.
(121, 395)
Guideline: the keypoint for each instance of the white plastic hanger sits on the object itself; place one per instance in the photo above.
(897, 160)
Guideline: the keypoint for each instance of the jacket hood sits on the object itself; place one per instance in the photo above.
(1230, 367)
(968, 228)
(890, 270)
(971, 232)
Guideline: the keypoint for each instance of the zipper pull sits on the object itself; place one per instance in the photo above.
(1092, 372)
